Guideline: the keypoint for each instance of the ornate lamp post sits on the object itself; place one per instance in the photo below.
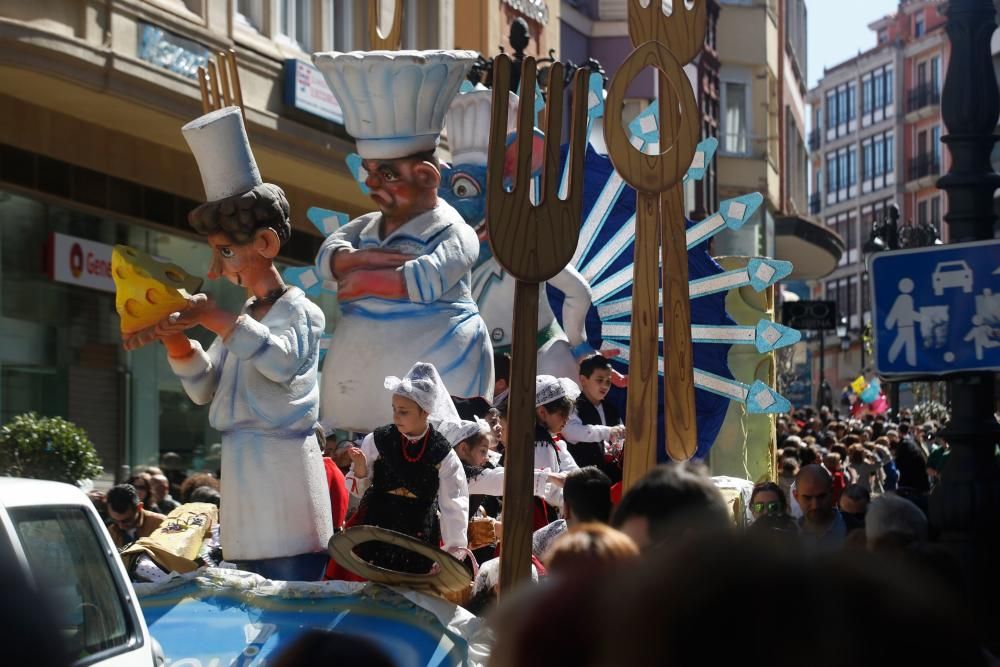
(965, 507)
(518, 38)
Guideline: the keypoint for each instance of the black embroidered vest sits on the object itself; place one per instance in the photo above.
(393, 471)
(592, 453)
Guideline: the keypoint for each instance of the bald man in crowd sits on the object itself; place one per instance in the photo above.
(823, 528)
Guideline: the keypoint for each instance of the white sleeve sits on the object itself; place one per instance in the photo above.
(453, 502)
(358, 485)
(345, 238)
(577, 299)
(565, 459)
(199, 372)
(429, 276)
(282, 353)
(487, 483)
(576, 431)
(552, 494)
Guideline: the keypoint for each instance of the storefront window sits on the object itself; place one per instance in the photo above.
(60, 344)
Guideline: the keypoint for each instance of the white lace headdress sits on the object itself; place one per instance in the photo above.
(424, 386)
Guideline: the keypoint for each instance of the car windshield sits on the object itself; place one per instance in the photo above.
(68, 561)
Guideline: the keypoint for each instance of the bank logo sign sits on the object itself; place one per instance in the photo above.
(172, 52)
(81, 262)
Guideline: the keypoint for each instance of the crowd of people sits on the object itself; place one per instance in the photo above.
(842, 486)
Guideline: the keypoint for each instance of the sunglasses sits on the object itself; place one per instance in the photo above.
(772, 507)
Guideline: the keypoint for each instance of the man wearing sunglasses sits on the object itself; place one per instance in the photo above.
(129, 519)
(767, 499)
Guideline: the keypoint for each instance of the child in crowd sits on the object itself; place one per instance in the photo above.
(405, 472)
(554, 402)
(596, 426)
(832, 463)
(471, 441)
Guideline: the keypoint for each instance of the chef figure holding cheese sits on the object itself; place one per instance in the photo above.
(260, 373)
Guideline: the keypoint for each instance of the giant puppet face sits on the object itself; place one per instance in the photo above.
(402, 187)
(463, 185)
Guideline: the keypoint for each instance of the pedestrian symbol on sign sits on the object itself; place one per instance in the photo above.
(937, 310)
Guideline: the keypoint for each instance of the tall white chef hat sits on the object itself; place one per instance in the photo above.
(394, 102)
(468, 124)
(221, 147)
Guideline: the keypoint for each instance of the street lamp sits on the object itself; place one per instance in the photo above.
(843, 334)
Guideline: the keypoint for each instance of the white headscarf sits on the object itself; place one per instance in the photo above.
(424, 386)
(460, 431)
(549, 388)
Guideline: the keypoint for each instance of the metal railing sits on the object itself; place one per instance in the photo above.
(924, 95)
(925, 164)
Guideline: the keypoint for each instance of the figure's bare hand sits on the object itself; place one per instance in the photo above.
(359, 460)
(557, 479)
(173, 324)
(345, 261)
(384, 283)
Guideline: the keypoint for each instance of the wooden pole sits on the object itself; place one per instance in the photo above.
(659, 217)
(532, 242)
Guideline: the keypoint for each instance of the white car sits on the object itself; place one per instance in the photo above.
(54, 536)
(952, 274)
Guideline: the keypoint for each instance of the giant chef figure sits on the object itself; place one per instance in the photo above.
(402, 272)
(464, 186)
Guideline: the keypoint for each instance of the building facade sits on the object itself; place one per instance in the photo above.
(875, 142)
(91, 155)
(598, 29)
(762, 48)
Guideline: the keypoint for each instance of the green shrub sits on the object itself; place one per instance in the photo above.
(47, 448)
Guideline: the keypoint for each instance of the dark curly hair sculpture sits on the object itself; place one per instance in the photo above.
(240, 216)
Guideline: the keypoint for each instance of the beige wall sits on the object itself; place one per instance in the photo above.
(748, 42)
(483, 25)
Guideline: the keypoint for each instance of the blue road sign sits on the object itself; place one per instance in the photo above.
(937, 310)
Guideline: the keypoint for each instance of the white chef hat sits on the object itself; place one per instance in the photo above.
(394, 102)
(222, 150)
(468, 124)
(549, 388)
(424, 386)
(457, 432)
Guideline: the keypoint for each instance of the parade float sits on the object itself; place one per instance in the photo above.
(520, 241)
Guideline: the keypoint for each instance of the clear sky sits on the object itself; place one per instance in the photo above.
(838, 30)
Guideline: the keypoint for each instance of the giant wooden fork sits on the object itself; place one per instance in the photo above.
(533, 243)
(659, 209)
(220, 83)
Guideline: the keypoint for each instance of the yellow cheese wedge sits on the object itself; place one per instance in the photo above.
(147, 290)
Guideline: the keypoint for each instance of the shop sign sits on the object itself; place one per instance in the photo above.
(81, 262)
(170, 51)
(536, 10)
(307, 90)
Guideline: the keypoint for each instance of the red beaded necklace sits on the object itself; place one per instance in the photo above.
(406, 443)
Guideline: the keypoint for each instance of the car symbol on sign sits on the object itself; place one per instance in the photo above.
(952, 274)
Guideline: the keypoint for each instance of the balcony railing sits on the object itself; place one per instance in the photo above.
(814, 140)
(923, 165)
(924, 95)
(814, 203)
(744, 145)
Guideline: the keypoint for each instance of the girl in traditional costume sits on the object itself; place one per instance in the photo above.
(406, 473)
